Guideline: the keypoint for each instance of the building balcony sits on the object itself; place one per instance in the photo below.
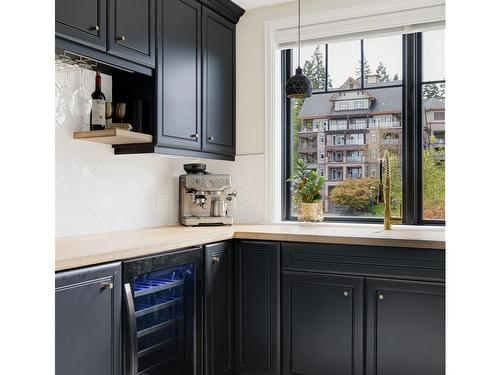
(308, 130)
(385, 125)
(355, 159)
(355, 142)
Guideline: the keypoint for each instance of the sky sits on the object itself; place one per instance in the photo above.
(344, 57)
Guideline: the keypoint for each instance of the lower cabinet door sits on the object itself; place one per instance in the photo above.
(219, 304)
(405, 328)
(257, 303)
(87, 325)
(322, 324)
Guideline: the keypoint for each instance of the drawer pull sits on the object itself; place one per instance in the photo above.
(120, 38)
(94, 28)
(107, 286)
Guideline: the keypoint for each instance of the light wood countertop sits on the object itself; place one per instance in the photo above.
(78, 251)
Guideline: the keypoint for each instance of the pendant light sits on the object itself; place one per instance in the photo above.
(298, 86)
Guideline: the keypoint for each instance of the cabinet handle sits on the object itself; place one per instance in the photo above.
(94, 28)
(107, 286)
(346, 293)
(210, 139)
(381, 297)
(195, 136)
(120, 38)
(215, 259)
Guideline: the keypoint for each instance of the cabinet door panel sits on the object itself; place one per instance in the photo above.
(219, 308)
(257, 308)
(132, 30)
(405, 328)
(322, 324)
(179, 75)
(218, 80)
(87, 317)
(82, 21)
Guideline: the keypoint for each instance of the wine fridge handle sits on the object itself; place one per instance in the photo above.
(130, 342)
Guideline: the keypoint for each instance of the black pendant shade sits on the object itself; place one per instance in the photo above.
(298, 86)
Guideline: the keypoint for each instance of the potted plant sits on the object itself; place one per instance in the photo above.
(306, 189)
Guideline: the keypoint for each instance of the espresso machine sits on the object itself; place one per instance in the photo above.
(203, 197)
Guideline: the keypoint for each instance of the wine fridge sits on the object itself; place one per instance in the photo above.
(162, 310)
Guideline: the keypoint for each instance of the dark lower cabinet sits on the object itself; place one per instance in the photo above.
(87, 321)
(218, 83)
(131, 33)
(257, 308)
(219, 302)
(322, 324)
(179, 74)
(405, 328)
(82, 21)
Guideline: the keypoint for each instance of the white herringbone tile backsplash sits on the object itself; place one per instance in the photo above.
(97, 191)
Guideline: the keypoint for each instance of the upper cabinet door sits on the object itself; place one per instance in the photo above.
(218, 84)
(131, 32)
(82, 21)
(405, 325)
(179, 74)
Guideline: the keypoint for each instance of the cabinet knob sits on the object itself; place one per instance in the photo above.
(195, 136)
(94, 28)
(381, 297)
(211, 139)
(107, 286)
(215, 259)
(120, 38)
(346, 293)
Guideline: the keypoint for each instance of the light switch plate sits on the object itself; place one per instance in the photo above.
(162, 202)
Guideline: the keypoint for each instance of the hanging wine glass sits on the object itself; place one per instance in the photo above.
(60, 112)
(83, 99)
(67, 94)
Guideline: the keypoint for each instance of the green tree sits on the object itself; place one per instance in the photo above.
(434, 184)
(396, 77)
(366, 69)
(381, 72)
(315, 70)
(356, 195)
(434, 90)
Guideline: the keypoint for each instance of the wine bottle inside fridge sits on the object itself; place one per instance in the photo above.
(98, 113)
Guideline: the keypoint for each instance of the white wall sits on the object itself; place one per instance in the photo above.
(97, 191)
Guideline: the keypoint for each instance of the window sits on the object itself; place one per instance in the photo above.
(367, 75)
(433, 126)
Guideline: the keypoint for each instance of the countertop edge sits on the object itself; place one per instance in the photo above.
(164, 246)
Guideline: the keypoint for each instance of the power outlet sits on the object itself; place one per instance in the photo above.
(162, 202)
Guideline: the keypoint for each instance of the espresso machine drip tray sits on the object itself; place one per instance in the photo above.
(206, 220)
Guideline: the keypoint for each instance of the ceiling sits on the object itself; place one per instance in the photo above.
(250, 4)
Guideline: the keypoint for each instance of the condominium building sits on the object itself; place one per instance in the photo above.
(343, 135)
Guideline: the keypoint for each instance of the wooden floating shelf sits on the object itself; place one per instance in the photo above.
(113, 137)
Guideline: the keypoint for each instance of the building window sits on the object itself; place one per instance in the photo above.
(439, 116)
(351, 156)
(359, 104)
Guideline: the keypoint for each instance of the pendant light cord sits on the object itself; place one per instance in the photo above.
(298, 28)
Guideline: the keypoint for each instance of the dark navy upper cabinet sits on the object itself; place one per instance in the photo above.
(219, 307)
(405, 328)
(257, 308)
(322, 324)
(131, 30)
(87, 321)
(218, 84)
(179, 74)
(82, 21)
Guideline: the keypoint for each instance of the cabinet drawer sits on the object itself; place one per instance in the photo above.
(404, 263)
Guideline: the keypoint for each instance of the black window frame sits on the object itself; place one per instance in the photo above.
(412, 142)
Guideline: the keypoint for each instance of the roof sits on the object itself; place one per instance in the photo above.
(384, 100)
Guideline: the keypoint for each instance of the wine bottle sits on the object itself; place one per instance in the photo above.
(98, 113)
